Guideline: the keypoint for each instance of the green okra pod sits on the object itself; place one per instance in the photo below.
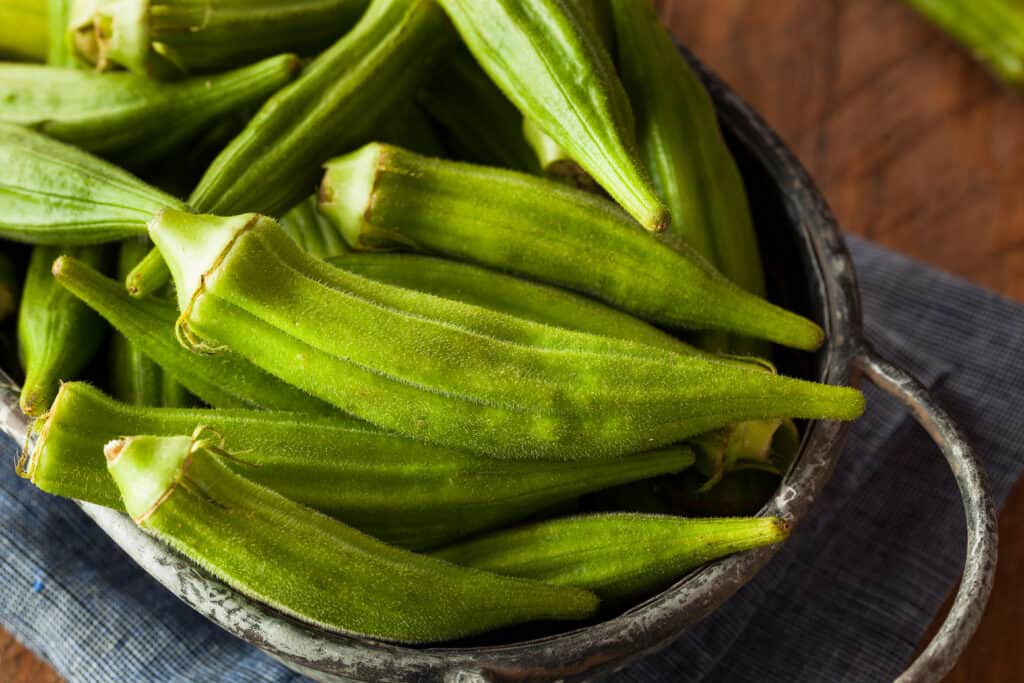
(224, 380)
(554, 160)
(547, 57)
(23, 29)
(312, 231)
(333, 106)
(134, 377)
(481, 124)
(507, 294)
(58, 21)
(617, 555)
(54, 194)
(993, 31)
(411, 128)
(9, 286)
(447, 372)
(57, 334)
(126, 117)
(182, 490)
(403, 492)
(383, 197)
(168, 38)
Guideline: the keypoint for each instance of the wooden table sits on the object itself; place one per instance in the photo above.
(913, 144)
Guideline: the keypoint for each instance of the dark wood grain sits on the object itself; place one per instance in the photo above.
(913, 144)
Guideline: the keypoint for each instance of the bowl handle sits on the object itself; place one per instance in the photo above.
(945, 648)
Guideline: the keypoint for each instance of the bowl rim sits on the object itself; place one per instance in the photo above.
(615, 642)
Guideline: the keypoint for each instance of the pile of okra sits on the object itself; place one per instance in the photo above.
(413, 319)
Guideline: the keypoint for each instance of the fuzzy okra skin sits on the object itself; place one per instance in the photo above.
(311, 566)
(54, 194)
(507, 294)
(23, 29)
(127, 117)
(482, 125)
(403, 492)
(134, 377)
(451, 373)
(617, 555)
(224, 380)
(548, 59)
(384, 197)
(57, 334)
(168, 38)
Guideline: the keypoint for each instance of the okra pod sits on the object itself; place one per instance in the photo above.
(993, 31)
(383, 197)
(58, 21)
(554, 160)
(482, 125)
(548, 59)
(130, 118)
(57, 334)
(617, 555)
(403, 492)
(312, 231)
(9, 287)
(450, 373)
(168, 38)
(334, 105)
(507, 294)
(54, 194)
(134, 377)
(324, 572)
(224, 380)
(411, 128)
(23, 29)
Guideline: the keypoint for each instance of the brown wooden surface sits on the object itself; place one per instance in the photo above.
(913, 144)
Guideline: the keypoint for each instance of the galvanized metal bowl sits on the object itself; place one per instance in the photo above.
(809, 270)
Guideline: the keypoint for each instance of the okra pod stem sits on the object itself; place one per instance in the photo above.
(554, 160)
(507, 294)
(482, 125)
(993, 31)
(23, 29)
(168, 38)
(450, 373)
(58, 22)
(57, 334)
(547, 57)
(403, 492)
(383, 197)
(617, 555)
(324, 572)
(223, 380)
(54, 194)
(126, 117)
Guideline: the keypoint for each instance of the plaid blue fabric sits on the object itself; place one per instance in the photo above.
(847, 599)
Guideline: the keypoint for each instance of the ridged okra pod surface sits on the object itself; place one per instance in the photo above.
(506, 294)
(447, 372)
(312, 231)
(130, 118)
(548, 59)
(323, 572)
(384, 197)
(168, 38)
(332, 107)
(134, 377)
(617, 555)
(54, 194)
(224, 380)
(57, 334)
(403, 492)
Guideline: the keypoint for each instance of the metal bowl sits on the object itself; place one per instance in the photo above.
(809, 270)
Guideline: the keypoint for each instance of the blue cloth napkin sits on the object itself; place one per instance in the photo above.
(847, 599)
